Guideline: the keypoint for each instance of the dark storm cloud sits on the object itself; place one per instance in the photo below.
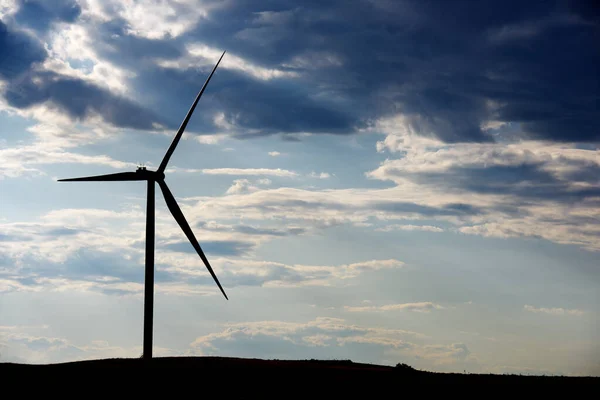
(116, 45)
(39, 15)
(525, 183)
(281, 108)
(17, 52)
(26, 87)
(436, 60)
(78, 99)
(255, 107)
(448, 66)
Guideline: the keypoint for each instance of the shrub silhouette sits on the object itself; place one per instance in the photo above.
(405, 367)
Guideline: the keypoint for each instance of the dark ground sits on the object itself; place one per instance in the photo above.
(256, 378)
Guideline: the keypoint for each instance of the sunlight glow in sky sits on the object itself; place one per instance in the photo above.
(395, 181)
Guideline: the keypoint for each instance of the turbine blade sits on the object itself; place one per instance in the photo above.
(121, 176)
(178, 215)
(175, 141)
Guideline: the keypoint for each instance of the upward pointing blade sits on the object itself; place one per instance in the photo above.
(121, 176)
(178, 215)
(175, 141)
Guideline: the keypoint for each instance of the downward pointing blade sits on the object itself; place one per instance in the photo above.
(171, 149)
(178, 215)
(121, 176)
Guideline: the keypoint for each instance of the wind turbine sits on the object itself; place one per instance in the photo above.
(158, 176)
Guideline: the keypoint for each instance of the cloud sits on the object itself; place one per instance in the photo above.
(337, 337)
(211, 139)
(511, 189)
(425, 228)
(553, 311)
(419, 307)
(516, 190)
(215, 247)
(311, 68)
(39, 15)
(101, 250)
(322, 175)
(178, 271)
(241, 186)
(493, 214)
(19, 161)
(158, 19)
(444, 88)
(252, 230)
(198, 53)
(264, 181)
(248, 272)
(19, 52)
(250, 171)
(274, 153)
(79, 100)
(33, 345)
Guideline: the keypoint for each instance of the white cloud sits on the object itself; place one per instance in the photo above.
(428, 167)
(201, 55)
(73, 42)
(241, 186)
(32, 345)
(552, 220)
(8, 8)
(152, 19)
(274, 153)
(65, 134)
(324, 328)
(68, 237)
(554, 311)
(334, 336)
(426, 228)
(176, 170)
(264, 181)
(322, 175)
(250, 171)
(56, 130)
(425, 154)
(273, 274)
(211, 139)
(24, 160)
(419, 307)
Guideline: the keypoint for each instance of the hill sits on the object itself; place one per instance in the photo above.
(257, 378)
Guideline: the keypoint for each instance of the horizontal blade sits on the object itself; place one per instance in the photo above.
(178, 215)
(175, 141)
(121, 176)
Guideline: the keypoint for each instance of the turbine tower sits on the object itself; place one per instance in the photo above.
(158, 176)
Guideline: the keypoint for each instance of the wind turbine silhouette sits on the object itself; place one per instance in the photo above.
(158, 176)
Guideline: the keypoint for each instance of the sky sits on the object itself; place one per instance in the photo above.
(383, 181)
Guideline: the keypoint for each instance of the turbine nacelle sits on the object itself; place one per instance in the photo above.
(149, 175)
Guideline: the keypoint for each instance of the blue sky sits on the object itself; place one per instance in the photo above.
(395, 181)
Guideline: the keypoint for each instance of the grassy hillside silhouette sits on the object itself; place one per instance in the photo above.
(257, 378)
